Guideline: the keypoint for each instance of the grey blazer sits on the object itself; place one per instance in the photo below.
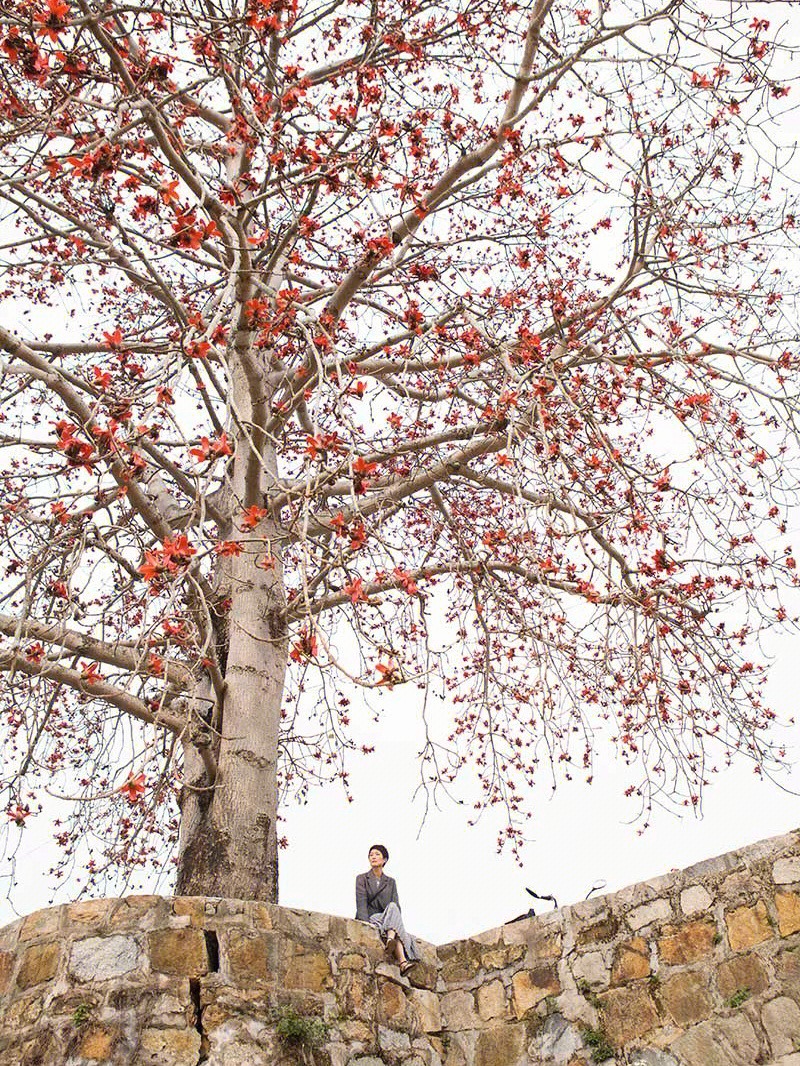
(368, 900)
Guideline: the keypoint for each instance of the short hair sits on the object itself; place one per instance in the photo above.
(381, 849)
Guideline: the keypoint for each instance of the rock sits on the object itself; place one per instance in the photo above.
(168, 1047)
(628, 1013)
(39, 964)
(530, 987)
(742, 971)
(747, 926)
(391, 1002)
(631, 962)
(458, 1011)
(592, 969)
(253, 957)
(181, 952)
(101, 958)
(598, 932)
(781, 1020)
(657, 911)
(7, 960)
(687, 943)
(40, 923)
(694, 899)
(653, 1057)
(425, 1010)
(787, 904)
(97, 1043)
(686, 997)
(393, 1042)
(786, 871)
(737, 1031)
(351, 961)
(502, 1045)
(309, 971)
(491, 1000)
(699, 1048)
(89, 912)
(556, 1042)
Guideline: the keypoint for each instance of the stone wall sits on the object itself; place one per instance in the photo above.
(696, 968)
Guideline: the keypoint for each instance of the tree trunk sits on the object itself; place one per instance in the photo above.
(228, 835)
(229, 845)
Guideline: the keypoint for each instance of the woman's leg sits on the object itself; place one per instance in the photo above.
(392, 919)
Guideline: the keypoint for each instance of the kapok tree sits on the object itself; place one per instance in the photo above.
(363, 344)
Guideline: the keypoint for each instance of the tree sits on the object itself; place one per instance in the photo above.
(357, 345)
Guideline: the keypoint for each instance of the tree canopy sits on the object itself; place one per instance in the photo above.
(351, 345)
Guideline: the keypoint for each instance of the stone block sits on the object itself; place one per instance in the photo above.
(787, 904)
(698, 1047)
(180, 952)
(737, 1032)
(39, 964)
(781, 1020)
(491, 1000)
(391, 1003)
(628, 1013)
(97, 1043)
(529, 987)
(686, 997)
(458, 1010)
(501, 955)
(742, 971)
(659, 910)
(351, 961)
(168, 1047)
(23, 1010)
(695, 899)
(7, 959)
(358, 995)
(747, 926)
(310, 971)
(191, 907)
(556, 1042)
(540, 937)
(787, 967)
(460, 961)
(501, 1045)
(686, 943)
(40, 923)
(592, 969)
(138, 912)
(653, 1057)
(252, 957)
(425, 1010)
(786, 871)
(598, 932)
(423, 975)
(392, 1042)
(102, 958)
(91, 912)
(631, 961)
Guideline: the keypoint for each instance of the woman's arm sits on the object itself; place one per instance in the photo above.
(394, 898)
(362, 913)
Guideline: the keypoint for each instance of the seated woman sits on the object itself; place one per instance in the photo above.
(377, 903)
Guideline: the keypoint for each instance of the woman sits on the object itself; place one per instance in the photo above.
(377, 903)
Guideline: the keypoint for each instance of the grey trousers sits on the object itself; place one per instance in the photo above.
(391, 918)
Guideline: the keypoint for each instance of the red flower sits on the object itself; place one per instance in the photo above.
(355, 590)
(252, 516)
(133, 789)
(228, 547)
(18, 815)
